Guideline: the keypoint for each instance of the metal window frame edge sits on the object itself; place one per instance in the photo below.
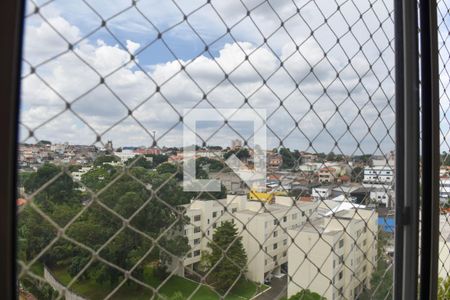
(430, 149)
(11, 28)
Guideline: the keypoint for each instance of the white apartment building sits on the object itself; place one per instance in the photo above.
(387, 160)
(330, 174)
(322, 192)
(378, 176)
(444, 189)
(335, 255)
(382, 195)
(125, 154)
(264, 237)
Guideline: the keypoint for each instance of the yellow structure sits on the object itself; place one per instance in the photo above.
(261, 196)
(280, 193)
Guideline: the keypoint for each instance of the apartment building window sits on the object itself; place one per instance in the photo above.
(284, 253)
(197, 229)
(221, 212)
(275, 258)
(265, 262)
(214, 225)
(341, 243)
(196, 253)
(214, 214)
(285, 242)
(233, 210)
(208, 221)
(364, 242)
(275, 233)
(189, 255)
(276, 222)
(285, 219)
(232, 221)
(275, 246)
(197, 218)
(196, 241)
(341, 259)
(294, 217)
(303, 213)
(341, 274)
(364, 268)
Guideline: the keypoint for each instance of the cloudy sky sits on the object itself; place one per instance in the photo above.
(322, 70)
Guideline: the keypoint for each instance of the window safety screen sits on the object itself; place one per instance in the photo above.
(236, 149)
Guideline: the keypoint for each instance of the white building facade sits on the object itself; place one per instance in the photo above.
(379, 176)
(264, 237)
(335, 255)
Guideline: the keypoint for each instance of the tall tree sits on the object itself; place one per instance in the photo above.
(306, 295)
(357, 174)
(444, 288)
(228, 258)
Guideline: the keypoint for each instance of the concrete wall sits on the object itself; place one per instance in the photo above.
(68, 295)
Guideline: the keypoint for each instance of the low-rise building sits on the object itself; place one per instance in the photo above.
(334, 255)
(76, 175)
(382, 196)
(444, 189)
(322, 192)
(378, 176)
(264, 236)
(274, 160)
(329, 174)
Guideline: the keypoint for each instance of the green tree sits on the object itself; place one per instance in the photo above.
(177, 296)
(228, 257)
(100, 160)
(306, 295)
(57, 195)
(38, 288)
(357, 174)
(43, 143)
(34, 234)
(99, 176)
(445, 158)
(382, 277)
(331, 156)
(444, 288)
(290, 159)
(243, 154)
(213, 165)
(158, 159)
(167, 168)
(140, 161)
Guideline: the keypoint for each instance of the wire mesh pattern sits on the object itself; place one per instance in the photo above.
(444, 250)
(98, 224)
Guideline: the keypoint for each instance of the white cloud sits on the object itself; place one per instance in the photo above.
(335, 100)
